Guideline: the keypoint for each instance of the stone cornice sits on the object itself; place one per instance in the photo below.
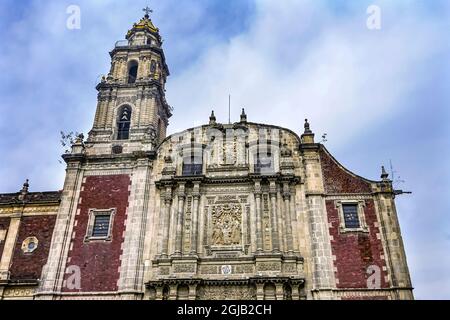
(238, 179)
(227, 282)
(151, 155)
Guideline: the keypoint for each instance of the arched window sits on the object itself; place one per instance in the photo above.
(132, 72)
(124, 123)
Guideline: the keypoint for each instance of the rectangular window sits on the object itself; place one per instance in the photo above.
(101, 226)
(351, 217)
(192, 166)
(264, 164)
(123, 132)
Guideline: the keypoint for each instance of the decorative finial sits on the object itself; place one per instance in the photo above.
(307, 127)
(243, 116)
(308, 135)
(25, 187)
(384, 174)
(147, 11)
(24, 191)
(212, 118)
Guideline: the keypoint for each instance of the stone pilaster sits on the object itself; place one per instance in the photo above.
(53, 272)
(165, 214)
(393, 245)
(279, 292)
(8, 249)
(274, 217)
(173, 292)
(258, 195)
(195, 214)
(259, 291)
(288, 218)
(180, 220)
(193, 291)
(322, 260)
(132, 266)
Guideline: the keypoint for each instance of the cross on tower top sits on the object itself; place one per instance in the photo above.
(147, 11)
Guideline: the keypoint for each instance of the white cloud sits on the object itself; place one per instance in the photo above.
(300, 59)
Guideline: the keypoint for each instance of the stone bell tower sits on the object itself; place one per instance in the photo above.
(98, 238)
(132, 112)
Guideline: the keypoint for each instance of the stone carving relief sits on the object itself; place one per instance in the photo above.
(126, 99)
(209, 269)
(244, 268)
(290, 268)
(184, 268)
(226, 225)
(226, 293)
(269, 266)
(164, 271)
(19, 292)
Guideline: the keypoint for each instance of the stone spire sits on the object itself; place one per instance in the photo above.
(384, 174)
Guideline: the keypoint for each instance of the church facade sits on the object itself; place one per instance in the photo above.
(221, 211)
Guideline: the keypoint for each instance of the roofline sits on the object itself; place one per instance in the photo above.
(235, 123)
(345, 169)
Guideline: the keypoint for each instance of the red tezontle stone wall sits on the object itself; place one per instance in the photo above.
(99, 261)
(354, 251)
(337, 180)
(28, 266)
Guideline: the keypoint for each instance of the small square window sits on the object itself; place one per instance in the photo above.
(351, 217)
(100, 225)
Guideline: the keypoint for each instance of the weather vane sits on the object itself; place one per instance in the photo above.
(147, 11)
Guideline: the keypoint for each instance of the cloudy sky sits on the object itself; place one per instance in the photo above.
(380, 95)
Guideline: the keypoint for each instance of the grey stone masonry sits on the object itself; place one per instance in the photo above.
(131, 270)
(323, 269)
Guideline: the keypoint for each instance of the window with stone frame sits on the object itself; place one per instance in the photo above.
(124, 123)
(264, 163)
(100, 224)
(351, 216)
(132, 72)
(192, 165)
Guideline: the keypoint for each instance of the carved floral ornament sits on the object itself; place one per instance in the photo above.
(226, 225)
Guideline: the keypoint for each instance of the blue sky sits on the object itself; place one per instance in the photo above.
(379, 95)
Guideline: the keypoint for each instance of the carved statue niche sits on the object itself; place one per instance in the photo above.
(226, 225)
